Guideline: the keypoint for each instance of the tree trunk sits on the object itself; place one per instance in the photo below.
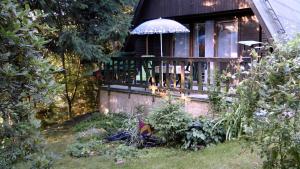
(70, 109)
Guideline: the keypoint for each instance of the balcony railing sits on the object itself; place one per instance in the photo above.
(186, 75)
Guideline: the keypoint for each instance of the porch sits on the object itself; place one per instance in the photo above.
(151, 75)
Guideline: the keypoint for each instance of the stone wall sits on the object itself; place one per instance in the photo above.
(122, 102)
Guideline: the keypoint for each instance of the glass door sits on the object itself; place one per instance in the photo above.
(226, 40)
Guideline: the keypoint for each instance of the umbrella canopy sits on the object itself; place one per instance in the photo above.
(159, 26)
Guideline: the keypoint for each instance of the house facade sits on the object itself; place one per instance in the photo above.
(189, 60)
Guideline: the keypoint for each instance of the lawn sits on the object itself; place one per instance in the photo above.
(224, 156)
(229, 155)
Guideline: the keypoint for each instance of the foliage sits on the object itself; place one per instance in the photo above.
(214, 94)
(266, 106)
(42, 160)
(85, 34)
(123, 152)
(170, 120)
(276, 119)
(110, 122)
(203, 132)
(26, 81)
(85, 149)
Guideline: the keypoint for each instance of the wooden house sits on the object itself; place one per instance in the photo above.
(190, 60)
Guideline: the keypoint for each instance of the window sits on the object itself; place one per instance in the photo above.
(227, 37)
(199, 40)
(182, 44)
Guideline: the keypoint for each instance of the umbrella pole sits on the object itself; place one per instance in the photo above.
(161, 55)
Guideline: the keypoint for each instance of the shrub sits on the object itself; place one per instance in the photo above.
(170, 120)
(266, 106)
(85, 149)
(203, 132)
(276, 118)
(122, 152)
(42, 160)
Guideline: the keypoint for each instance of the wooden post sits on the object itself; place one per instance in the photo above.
(200, 79)
(191, 80)
(182, 76)
(167, 75)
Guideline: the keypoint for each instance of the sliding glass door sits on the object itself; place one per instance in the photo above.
(227, 37)
(181, 44)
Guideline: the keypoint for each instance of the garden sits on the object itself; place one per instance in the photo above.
(48, 50)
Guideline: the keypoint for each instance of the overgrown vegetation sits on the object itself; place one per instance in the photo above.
(26, 83)
(203, 132)
(265, 108)
(170, 121)
(85, 34)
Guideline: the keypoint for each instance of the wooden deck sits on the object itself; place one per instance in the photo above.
(195, 76)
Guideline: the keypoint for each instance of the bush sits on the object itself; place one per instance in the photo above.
(266, 106)
(276, 118)
(203, 132)
(122, 152)
(86, 149)
(42, 160)
(170, 120)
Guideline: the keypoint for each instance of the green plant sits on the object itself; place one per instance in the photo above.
(203, 132)
(42, 160)
(170, 120)
(26, 81)
(123, 152)
(266, 106)
(85, 149)
(276, 118)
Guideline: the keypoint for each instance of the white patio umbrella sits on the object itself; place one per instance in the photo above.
(159, 26)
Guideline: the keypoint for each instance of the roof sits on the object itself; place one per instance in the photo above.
(280, 18)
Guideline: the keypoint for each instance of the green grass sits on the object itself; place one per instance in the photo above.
(229, 155)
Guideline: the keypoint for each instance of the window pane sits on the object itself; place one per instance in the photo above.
(182, 44)
(199, 40)
(227, 34)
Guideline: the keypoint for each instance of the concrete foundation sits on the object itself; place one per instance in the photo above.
(122, 102)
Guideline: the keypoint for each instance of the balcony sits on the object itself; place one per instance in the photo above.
(153, 75)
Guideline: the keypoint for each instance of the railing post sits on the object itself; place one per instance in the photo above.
(191, 80)
(167, 74)
(200, 79)
(141, 71)
(182, 76)
(208, 74)
(135, 72)
(175, 74)
(160, 74)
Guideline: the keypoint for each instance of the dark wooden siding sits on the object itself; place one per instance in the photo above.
(249, 29)
(173, 8)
